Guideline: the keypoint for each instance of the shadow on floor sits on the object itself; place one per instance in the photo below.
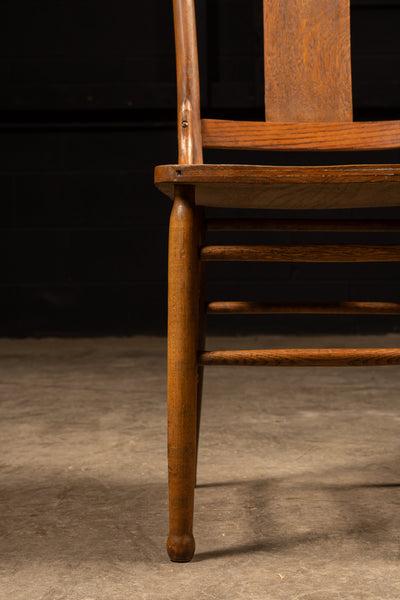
(78, 518)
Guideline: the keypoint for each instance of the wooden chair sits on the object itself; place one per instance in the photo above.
(308, 103)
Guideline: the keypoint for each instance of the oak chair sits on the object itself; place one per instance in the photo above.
(308, 106)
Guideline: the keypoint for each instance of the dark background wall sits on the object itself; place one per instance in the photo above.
(87, 108)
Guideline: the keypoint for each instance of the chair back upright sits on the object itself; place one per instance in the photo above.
(188, 87)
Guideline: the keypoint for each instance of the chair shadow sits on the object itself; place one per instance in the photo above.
(236, 483)
(78, 518)
(363, 516)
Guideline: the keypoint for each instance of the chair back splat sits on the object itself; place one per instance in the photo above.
(308, 106)
(307, 61)
(308, 92)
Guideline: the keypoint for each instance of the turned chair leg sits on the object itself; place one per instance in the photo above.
(183, 309)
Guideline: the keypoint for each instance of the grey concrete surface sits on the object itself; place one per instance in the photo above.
(299, 476)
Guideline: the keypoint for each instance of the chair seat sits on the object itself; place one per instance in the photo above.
(288, 187)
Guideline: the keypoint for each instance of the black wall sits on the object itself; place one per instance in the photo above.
(87, 108)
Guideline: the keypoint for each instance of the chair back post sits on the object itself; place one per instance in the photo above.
(187, 69)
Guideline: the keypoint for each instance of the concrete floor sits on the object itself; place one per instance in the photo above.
(299, 476)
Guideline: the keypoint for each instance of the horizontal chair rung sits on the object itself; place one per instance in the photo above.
(308, 357)
(347, 308)
(304, 253)
(302, 225)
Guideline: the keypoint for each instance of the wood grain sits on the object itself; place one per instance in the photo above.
(270, 174)
(344, 308)
(283, 136)
(303, 225)
(297, 197)
(183, 308)
(303, 253)
(188, 86)
(333, 357)
(248, 186)
(308, 107)
(307, 60)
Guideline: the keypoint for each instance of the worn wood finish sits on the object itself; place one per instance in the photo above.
(307, 60)
(247, 186)
(255, 135)
(333, 357)
(183, 309)
(271, 174)
(308, 107)
(302, 225)
(344, 308)
(303, 253)
(188, 87)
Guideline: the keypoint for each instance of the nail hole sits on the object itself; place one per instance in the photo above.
(178, 172)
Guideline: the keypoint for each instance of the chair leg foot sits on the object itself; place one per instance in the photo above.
(180, 547)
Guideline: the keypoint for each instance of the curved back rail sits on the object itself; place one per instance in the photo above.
(253, 135)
